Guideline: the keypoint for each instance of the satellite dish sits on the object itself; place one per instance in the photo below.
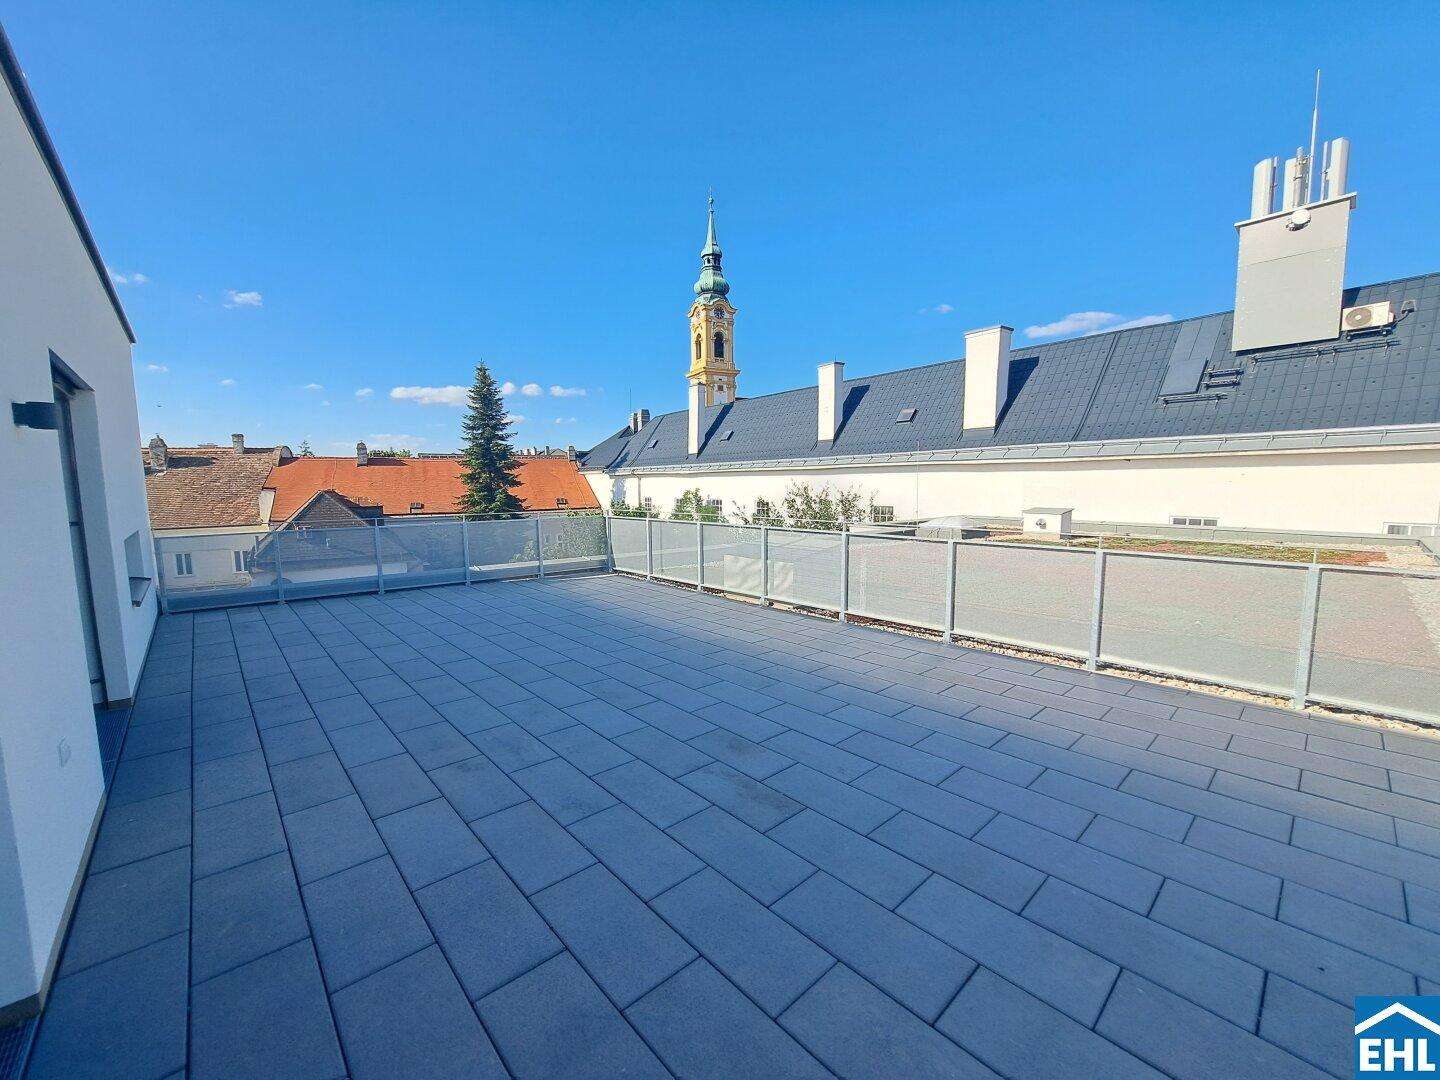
(1298, 220)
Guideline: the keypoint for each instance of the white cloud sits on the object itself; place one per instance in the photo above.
(312, 386)
(156, 369)
(507, 388)
(326, 404)
(431, 395)
(397, 442)
(1092, 322)
(532, 389)
(938, 309)
(515, 418)
(243, 299)
(128, 279)
(227, 382)
(567, 391)
(364, 392)
(565, 420)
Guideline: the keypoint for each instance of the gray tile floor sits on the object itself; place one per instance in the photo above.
(597, 827)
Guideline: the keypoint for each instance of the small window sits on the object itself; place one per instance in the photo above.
(1397, 530)
(882, 514)
(415, 508)
(1200, 522)
(726, 437)
(184, 565)
(713, 504)
(653, 443)
(562, 502)
(697, 346)
(906, 415)
(239, 561)
(648, 503)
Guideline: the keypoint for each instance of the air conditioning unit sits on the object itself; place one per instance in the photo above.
(1368, 316)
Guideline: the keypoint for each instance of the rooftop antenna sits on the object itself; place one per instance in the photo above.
(1314, 130)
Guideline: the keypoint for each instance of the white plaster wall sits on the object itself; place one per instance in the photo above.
(1330, 491)
(50, 779)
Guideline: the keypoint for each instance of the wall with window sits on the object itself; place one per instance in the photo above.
(52, 300)
(1357, 491)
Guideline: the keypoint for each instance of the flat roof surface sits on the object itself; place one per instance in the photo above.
(598, 827)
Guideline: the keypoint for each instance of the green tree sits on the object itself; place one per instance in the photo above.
(391, 451)
(619, 508)
(488, 467)
(766, 513)
(691, 506)
(824, 507)
(305, 450)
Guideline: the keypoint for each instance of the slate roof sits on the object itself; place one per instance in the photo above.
(1102, 387)
(497, 830)
(206, 486)
(393, 484)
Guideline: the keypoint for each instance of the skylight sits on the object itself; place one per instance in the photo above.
(726, 436)
(906, 415)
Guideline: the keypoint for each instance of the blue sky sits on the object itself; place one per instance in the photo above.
(313, 205)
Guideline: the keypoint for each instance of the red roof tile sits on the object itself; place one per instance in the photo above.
(206, 486)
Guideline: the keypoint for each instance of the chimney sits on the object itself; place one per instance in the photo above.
(570, 452)
(237, 443)
(987, 376)
(832, 383)
(696, 396)
(282, 454)
(638, 419)
(362, 455)
(1289, 287)
(159, 454)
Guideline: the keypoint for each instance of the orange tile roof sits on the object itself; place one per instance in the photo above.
(206, 486)
(393, 484)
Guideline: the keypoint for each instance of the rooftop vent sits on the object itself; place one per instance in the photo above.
(906, 415)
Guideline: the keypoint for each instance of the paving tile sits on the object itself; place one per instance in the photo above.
(470, 714)
(365, 742)
(1219, 982)
(1309, 1026)
(1055, 815)
(742, 722)
(1400, 944)
(268, 1018)
(288, 706)
(157, 738)
(840, 801)
(1020, 1035)
(1369, 823)
(701, 1026)
(674, 721)
(564, 791)
(638, 853)
(818, 726)
(752, 802)
(587, 751)
(235, 833)
(910, 965)
(476, 787)
(1001, 765)
(382, 688)
(1213, 873)
(870, 868)
(429, 842)
(654, 747)
(900, 757)
(750, 758)
(1373, 890)
(437, 745)
(1188, 1042)
(130, 1009)
(364, 919)
(626, 948)
(759, 951)
(413, 1020)
(133, 905)
(1376, 803)
(488, 930)
(404, 713)
(858, 1032)
(331, 837)
(532, 848)
(943, 808)
(554, 1021)
(1006, 881)
(511, 747)
(538, 717)
(606, 718)
(343, 712)
(144, 778)
(819, 755)
(1210, 804)
(138, 830)
(392, 784)
(759, 865)
(309, 781)
(243, 913)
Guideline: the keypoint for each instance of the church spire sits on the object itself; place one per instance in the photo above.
(712, 284)
(712, 359)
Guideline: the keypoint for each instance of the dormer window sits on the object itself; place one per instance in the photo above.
(415, 508)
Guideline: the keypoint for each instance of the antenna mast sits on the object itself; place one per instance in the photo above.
(1314, 131)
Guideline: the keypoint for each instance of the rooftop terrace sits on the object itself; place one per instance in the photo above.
(591, 826)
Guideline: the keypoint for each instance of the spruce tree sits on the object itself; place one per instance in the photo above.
(489, 460)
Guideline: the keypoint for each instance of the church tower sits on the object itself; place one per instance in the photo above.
(712, 327)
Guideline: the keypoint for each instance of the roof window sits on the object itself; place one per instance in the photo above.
(726, 437)
(906, 415)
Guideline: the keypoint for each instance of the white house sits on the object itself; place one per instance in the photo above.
(77, 573)
(1311, 407)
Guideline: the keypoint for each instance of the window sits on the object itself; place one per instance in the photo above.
(728, 433)
(562, 502)
(882, 514)
(1202, 522)
(697, 346)
(1397, 530)
(184, 565)
(906, 415)
(713, 504)
(415, 508)
(239, 561)
(719, 346)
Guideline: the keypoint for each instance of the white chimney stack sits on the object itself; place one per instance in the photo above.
(832, 383)
(697, 393)
(987, 375)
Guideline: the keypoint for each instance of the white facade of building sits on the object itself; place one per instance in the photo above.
(58, 318)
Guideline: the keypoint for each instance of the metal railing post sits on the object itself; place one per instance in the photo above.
(539, 550)
(279, 570)
(609, 543)
(1309, 615)
(844, 575)
(765, 564)
(950, 590)
(1092, 662)
(465, 546)
(699, 555)
(160, 589)
(649, 548)
(379, 565)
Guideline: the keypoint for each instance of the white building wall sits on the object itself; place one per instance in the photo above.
(1327, 491)
(51, 298)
